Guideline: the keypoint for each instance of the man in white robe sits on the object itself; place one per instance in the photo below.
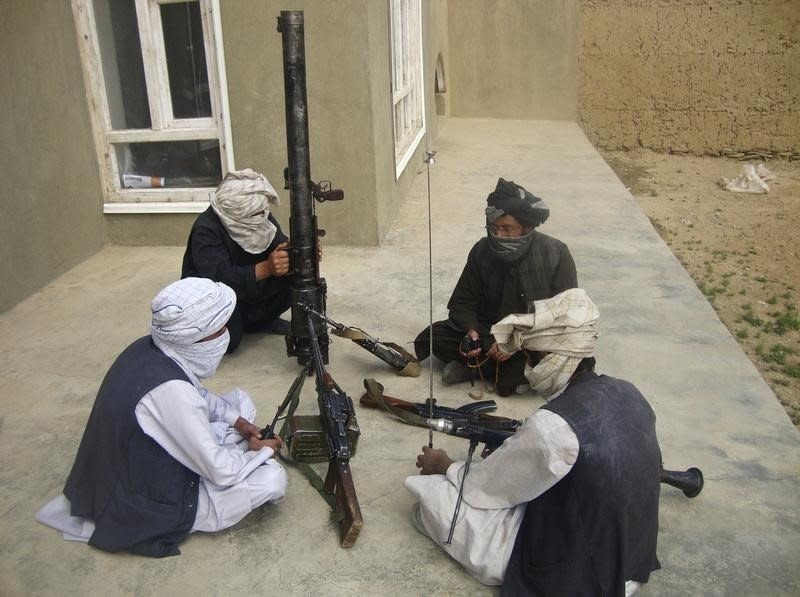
(522, 476)
(162, 456)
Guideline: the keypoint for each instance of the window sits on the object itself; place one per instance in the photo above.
(159, 100)
(407, 89)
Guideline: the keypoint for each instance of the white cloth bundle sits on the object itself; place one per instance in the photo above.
(564, 326)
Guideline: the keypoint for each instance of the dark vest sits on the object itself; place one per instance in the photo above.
(140, 498)
(597, 527)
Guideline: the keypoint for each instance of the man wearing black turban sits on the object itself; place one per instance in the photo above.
(505, 272)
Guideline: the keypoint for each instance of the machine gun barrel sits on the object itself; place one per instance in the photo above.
(306, 284)
(492, 438)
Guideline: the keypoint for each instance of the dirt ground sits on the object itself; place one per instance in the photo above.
(741, 249)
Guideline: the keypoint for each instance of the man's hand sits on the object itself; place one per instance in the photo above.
(254, 444)
(474, 336)
(433, 462)
(246, 429)
(277, 264)
(498, 355)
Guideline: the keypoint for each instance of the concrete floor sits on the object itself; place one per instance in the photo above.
(741, 536)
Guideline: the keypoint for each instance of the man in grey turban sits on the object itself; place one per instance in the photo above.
(161, 455)
(238, 241)
(569, 504)
(506, 271)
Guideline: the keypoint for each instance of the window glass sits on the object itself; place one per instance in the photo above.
(169, 164)
(121, 57)
(186, 60)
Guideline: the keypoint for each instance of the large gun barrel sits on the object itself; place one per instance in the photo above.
(306, 285)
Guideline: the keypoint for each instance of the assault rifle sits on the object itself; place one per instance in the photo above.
(404, 363)
(459, 420)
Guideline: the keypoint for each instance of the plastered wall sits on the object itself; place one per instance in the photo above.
(513, 59)
(348, 65)
(50, 208)
(699, 76)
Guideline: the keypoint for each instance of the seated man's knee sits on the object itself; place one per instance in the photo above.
(267, 483)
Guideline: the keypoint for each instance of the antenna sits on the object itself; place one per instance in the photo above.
(429, 159)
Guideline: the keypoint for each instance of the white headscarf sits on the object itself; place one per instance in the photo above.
(184, 313)
(242, 203)
(565, 326)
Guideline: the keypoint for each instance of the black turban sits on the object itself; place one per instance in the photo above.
(513, 200)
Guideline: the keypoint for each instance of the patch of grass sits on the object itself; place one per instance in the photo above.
(756, 322)
(790, 319)
(761, 279)
(777, 354)
(743, 291)
(742, 334)
(709, 290)
(719, 254)
(792, 370)
(779, 381)
(772, 300)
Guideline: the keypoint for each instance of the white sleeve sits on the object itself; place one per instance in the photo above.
(219, 409)
(536, 457)
(177, 417)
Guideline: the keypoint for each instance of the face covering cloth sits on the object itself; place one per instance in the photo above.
(241, 202)
(184, 313)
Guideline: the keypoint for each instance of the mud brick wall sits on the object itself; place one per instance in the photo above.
(695, 76)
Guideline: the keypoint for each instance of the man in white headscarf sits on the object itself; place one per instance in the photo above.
(162, 456)
(569, 504)
(238, 242)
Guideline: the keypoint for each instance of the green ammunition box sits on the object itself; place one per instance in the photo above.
(307, 441)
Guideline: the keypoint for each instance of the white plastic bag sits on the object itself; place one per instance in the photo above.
(752, 179)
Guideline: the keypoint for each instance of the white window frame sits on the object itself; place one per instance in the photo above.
(408, 89)
(164, 127)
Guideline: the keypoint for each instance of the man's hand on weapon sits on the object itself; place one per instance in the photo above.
(246, 429)
(470, 346)
(276, 264)
(498, 355)
(254, 444)
(433, 461)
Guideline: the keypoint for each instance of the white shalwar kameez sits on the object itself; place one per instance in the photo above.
(194, 426)
(496, 493)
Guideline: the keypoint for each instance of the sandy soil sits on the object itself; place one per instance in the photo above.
(742, 250)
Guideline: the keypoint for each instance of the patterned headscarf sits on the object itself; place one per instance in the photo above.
(564, 326)
(242, 203)
(186, 312)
